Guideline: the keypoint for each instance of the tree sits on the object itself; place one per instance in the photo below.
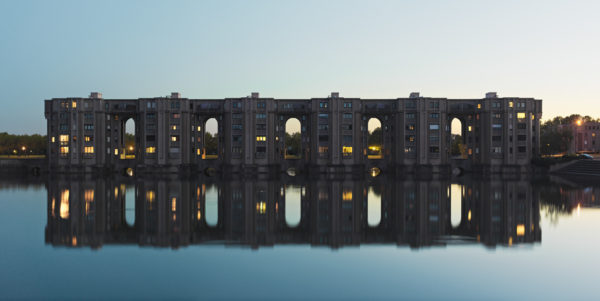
(211, 144)
(555, 139)
(293, 144)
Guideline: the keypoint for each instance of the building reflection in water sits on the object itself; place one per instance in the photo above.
(176, 213)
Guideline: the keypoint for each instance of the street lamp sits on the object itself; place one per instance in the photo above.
(23, 148)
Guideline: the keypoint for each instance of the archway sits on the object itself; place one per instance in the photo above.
(374, 139)
(458, 147)
(293, 205)
(129, 146)
(373, 207)
(293, 139)
(211, 139)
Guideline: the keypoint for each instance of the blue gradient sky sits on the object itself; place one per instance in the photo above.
(129, 49)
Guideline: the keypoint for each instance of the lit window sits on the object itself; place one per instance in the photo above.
(323, 149)
(174, 204)
(53, 139)
(510, 104)
(347, 195)
(64, 139)
(88, 150)
(470, 128)
(174, 127)
(347, 150)
(116, 151)
(479, 106)
(88, 138)
(521, 115)
(176, 115)
(151, 149)
(174, 138)
(64, 149)
(74, 104)
(261, 138)
(261, 207)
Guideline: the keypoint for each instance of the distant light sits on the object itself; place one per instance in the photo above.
(23, 148)
(579, 122)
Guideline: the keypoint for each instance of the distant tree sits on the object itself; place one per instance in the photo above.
(13, 144)
(293, 144)
(211, 144)
(457, 148)
(375, 137)
(554, 139)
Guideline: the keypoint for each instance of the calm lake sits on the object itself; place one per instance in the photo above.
(292, 238)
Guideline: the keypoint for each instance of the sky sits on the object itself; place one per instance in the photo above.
(297, 49)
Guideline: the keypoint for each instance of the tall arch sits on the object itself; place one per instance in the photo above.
(458, 147)
(211, 139)
(374, 139)
(293, 139)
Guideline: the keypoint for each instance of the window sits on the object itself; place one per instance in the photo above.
(64, 127)
(151, 105)
(496, 138)
(346, 127)
(151, 150)
(64, 140)
(496, 150)
(174, 138)
(261, 105)
(495, 104)
(88, 115)
(434, 149)
(347, 115)
(510, 104)
(410, 138)
(409, 149)
(346, 151)
(236, 116)
(410, 104)
(150, 115)
(410, 127)
(323, 104)
(88, 150)
(434, 115)
(434, 139)
(261, 116)
(323, 149)
(323, 126)
(479, 106)
(174, 127)
(236, 138)
(434, 126)
(434, 105)
(410, 115)
(522, 149)
(496, 126)
(323, 138)
(236, 126)
(74, 104)
(521, 115)
(53, 139)
(347, 105)
(324, 115)
(88, 127)
(236, 105)
(521, 126)
(470, 128)
(175, 105)
(261, 138)
(176, 115)
(88, 138)
(521, 138)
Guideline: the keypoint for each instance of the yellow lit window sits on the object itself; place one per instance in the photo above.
(470, 151)
(479, 106)
(88, 195)
(521, 115)
(116, 151)
(174, 127)
(74, 104)
(64, 149)
(323, 149)
(347, 195)
(510, 104)
(88, 150)
(151, 149)
(174, 138)
(174, 204)
(53, 139)
(532, 117)
(64, 204)
(64, 139)
(199, 128)
(347, 150)
(470, 128)
(520, 230)
(198, 151)
(261, 138)
(88, 138)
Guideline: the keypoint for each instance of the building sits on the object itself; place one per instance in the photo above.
(88, 134)
(586, 136)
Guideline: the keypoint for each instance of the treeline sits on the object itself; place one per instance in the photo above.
(555, 139)
(22, 144)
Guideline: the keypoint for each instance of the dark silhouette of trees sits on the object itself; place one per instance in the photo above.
(211, 144)
(293, 144)
(13, 144)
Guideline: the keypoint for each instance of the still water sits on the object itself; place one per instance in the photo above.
(377, 238)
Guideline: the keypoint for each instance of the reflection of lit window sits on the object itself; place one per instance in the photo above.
(520, 230)
(174, 204)
(151, 149)
(88, 195)
(469, 215)
(64, 204)
(261, 207)
(347, 195)
(521, 115)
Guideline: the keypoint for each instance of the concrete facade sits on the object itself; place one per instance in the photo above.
(87, 134)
